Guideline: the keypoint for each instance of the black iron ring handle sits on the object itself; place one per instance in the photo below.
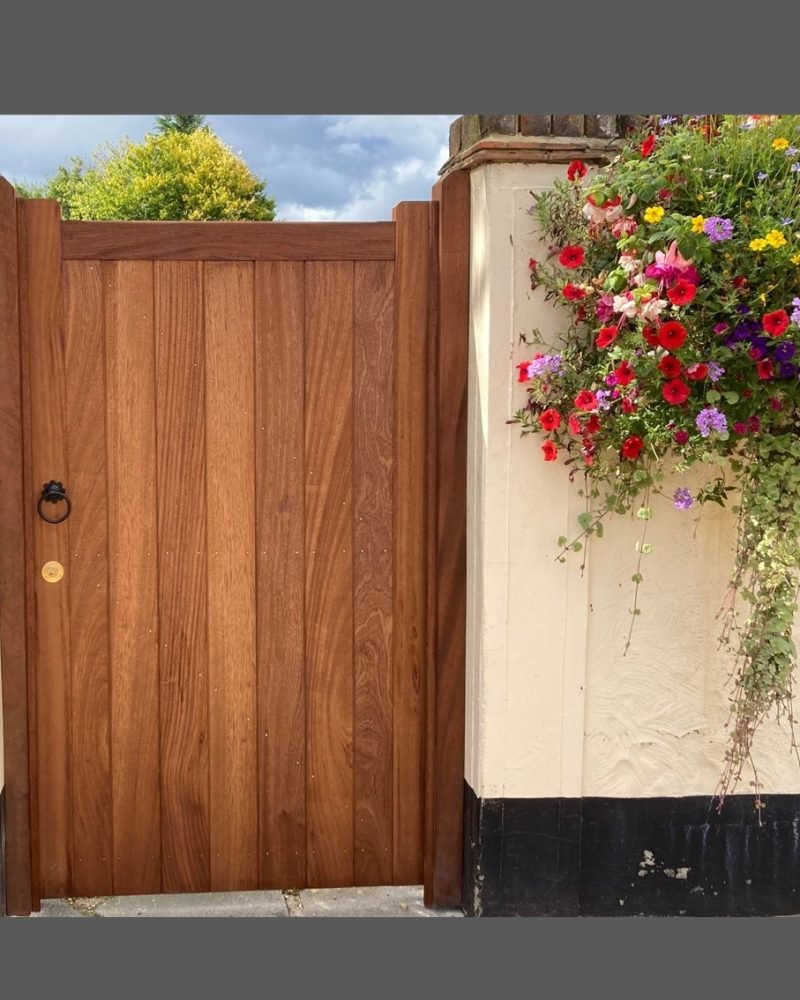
(54, 492)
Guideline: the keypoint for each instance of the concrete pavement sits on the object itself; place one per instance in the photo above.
(376, 901)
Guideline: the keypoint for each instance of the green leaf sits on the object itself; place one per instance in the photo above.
(731, 397)
(585, 520)
(562, 541)
(576, 546)
(713, 396)
(637, 578)
(598, 529)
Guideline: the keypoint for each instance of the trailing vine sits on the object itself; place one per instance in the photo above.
(679, 267)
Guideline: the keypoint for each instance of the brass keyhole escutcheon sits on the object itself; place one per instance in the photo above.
(52, 571)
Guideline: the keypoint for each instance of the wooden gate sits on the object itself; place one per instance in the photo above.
(232, 684)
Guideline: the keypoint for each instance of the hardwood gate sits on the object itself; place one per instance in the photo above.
(230, 638)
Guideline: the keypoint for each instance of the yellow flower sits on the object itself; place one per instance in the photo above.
(700, 197)
(780, 143)
(795, 259)
(758, 244)
(697, 223)
(654, 214)
(775, 238)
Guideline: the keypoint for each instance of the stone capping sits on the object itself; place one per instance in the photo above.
(479, 139)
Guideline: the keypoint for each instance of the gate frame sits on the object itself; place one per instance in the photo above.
(448, 329)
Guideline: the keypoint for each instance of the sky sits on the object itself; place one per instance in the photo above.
(317, 167)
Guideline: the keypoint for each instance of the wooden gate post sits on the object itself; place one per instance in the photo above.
(448, 358)
(12, 574)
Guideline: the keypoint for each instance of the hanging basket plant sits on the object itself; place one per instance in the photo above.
(679, 267)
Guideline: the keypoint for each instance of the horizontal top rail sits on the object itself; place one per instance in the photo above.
(227, 240)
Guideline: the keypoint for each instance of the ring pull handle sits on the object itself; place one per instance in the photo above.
(54, 492)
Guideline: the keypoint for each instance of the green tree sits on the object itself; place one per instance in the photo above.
(169, 175)
(179, 123)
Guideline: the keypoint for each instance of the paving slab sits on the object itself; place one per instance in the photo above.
(201, 904)
(375, 901)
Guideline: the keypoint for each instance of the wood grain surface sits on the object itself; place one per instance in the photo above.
(133, 575)
(373, 576)
(229, 240)
(182, 575)
(280, 512)
(13, 575)
(87, 584)
(329, 572)
(230, 449)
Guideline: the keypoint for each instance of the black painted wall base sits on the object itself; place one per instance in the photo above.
(626, 857)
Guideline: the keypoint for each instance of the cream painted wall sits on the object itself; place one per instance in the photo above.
(553, 707)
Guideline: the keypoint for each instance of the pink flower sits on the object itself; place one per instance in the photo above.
(672, 265)
(624, 226)
(605, 307)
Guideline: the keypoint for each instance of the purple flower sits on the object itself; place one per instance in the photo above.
(548, 364)
(715, 371)
(682, 498)
(667, 120)
(791, 151)
(785, 350)
(795, 167)
(787, 369)
(610, 379)
(710, 419)
(743, 308)
(762, 175)
(602, 399)
(718, 229)
(786, 221)
(796, 311)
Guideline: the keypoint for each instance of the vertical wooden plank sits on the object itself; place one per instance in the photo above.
(230, 451)
(280, 316)
(88, 581)
(446, 715)
(413, 222)
(42, 322)
(182, 571)
(329, 571)
(13, 651)
(133, 585)
(373, 485)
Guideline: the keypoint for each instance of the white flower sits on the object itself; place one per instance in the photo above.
(629, 263)
(624, 304)
(652, 309)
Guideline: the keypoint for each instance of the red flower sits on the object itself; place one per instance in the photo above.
(697, 372)
(606, 336)
(682, 293)
(739, 281)
(632, 446)
(628, 405)
(669, 366)
(651, 336)
(550, 420)
(624, 373)
(775, 323)
(764, 369)
(648, 145)
(524, 375)
(592, 424)
(586, 400)
(664, 194)
(570, 291)
(576, 170)
(672, 335)
(681, 437)
(574, 425)
(572, 256)
(533, 264)
(675, 391)
(550, 451)
(580, 314)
